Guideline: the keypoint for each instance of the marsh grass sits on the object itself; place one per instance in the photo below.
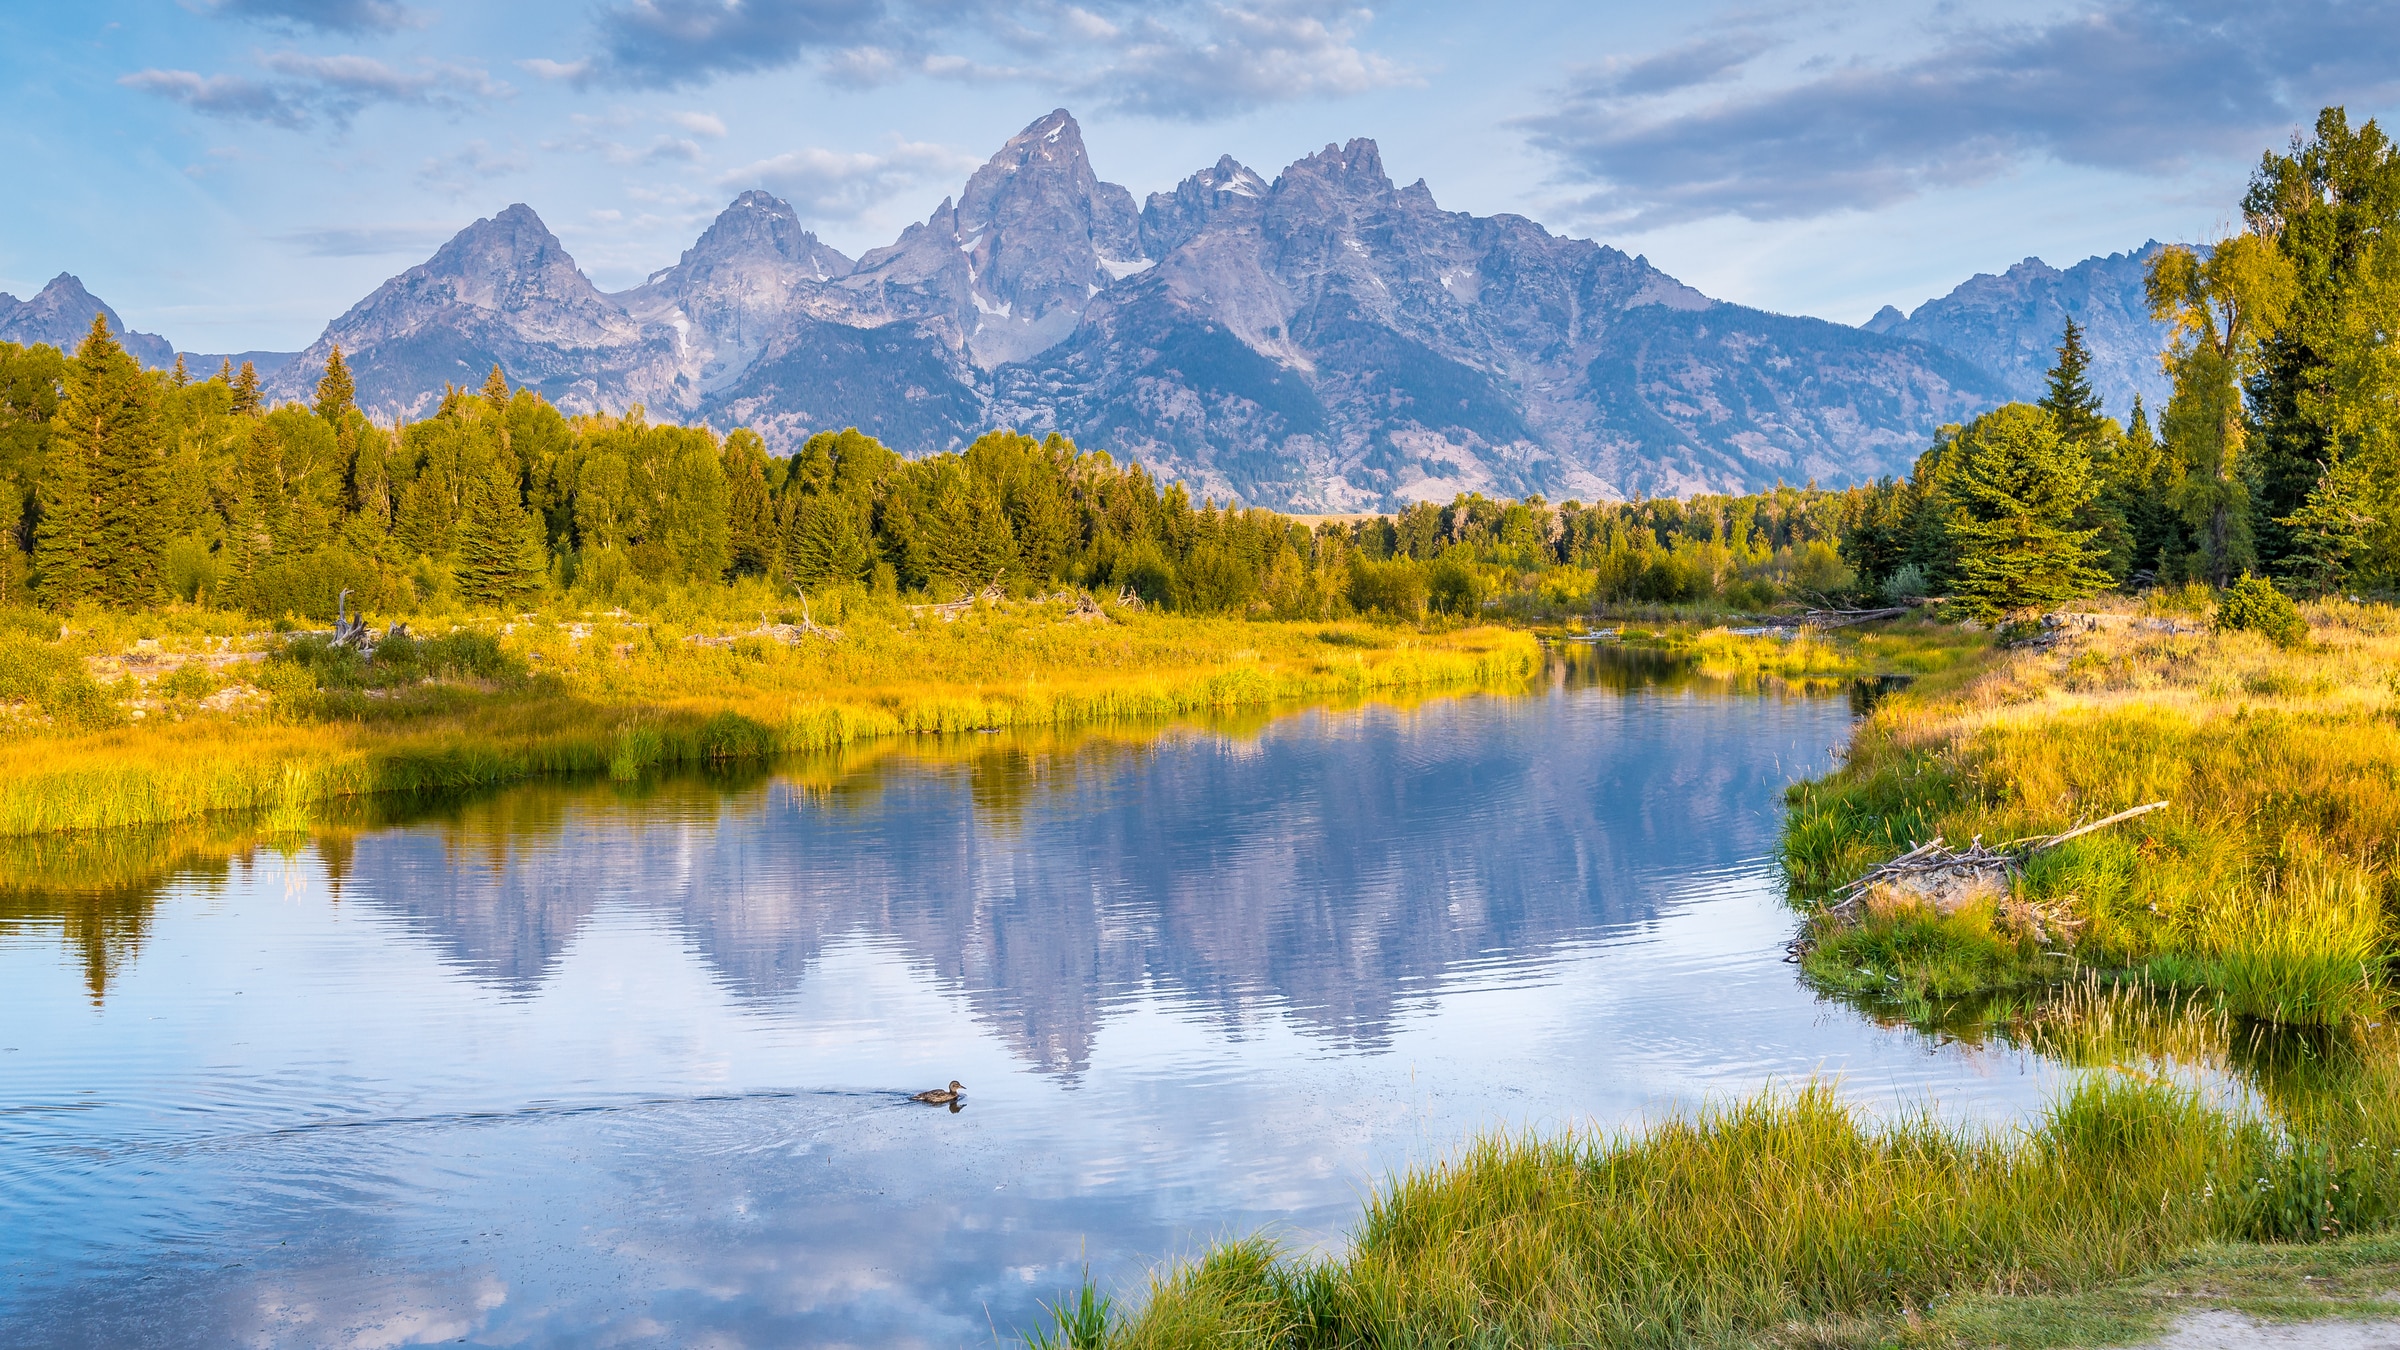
(1753, 1220)
(2269, 882)
(619, 696)
(1911, 647)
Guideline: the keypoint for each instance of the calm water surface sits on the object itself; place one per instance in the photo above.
(577, 1066)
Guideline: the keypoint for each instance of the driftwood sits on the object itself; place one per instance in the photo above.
(350, 630)
(949, 610)
(1946, 878)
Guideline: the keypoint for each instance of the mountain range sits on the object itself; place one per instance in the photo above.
(1324, 341)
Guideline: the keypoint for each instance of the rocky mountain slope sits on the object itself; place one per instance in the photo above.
(2010, 325)
(1324, 340)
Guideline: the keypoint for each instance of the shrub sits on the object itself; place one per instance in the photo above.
(1450, 587)
(52, 681)
(1396, 588)
(1907, 584)
(2254, 605)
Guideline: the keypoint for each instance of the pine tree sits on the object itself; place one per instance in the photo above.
(256, 518)
(99, 533)
(336, 392)
(225, 370)
(495, 389)
(183, 375)
(2074, 409)
(750, 514)
(498, 558)
(2015, 487)
(246, 401)
(2332, 530)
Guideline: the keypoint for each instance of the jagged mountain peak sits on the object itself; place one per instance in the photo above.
(60, 313)
(1010, 266)
(761, 225)
(502, 291)
(1355, 167)
(1169, 219)
(504, 260)
(2010, 324)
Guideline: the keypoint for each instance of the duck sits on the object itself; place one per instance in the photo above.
(942, 1096)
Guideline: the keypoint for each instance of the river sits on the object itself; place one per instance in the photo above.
(628, 1065)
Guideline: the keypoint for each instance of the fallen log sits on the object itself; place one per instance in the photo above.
(1947, 877)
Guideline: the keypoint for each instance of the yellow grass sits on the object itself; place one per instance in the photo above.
(618, 695)
(2269, 878)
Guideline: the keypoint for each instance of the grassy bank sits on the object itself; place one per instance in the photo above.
(1783, 1220)
(1912, 648)
(2205, 1157)
(280, 738)
(2267, 883)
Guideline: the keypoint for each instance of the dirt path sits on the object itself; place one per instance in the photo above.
(2232, 1331)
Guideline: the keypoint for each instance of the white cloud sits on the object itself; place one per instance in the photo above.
(1180, 58)
(548, 69)
(699, 124)
(300, 89)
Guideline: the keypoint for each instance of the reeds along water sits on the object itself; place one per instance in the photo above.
(2267, 882)
(621, 701)
(1750, 1216)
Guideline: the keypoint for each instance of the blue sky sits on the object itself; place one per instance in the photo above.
(234, 173)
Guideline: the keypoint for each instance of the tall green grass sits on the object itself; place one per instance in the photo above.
(1785, 1209)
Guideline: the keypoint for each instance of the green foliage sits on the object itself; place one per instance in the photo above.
(336, 391)
(30, 378)
(2073, 407)
(2014, 490)
(1081, 1325)
(2324, 391)
(49, 679)
(2252, 604)
(99, 539)
(499, 553)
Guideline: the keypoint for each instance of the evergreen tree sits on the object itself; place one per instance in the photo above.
(495, 389)
(2074, 409)
(254, 523)
(2333, 530)
(99, 532)
(828, 542)
(2015, 487)
(29, 382)
(751, 536)
(246, 401)
(336, 392)
(370, 492)
(2138, 487)
(498, 558)
(225, 371)
(182, 376)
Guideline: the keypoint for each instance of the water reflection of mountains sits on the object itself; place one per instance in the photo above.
(1328, 867)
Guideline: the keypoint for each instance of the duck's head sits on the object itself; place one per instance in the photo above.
(957, 1086)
